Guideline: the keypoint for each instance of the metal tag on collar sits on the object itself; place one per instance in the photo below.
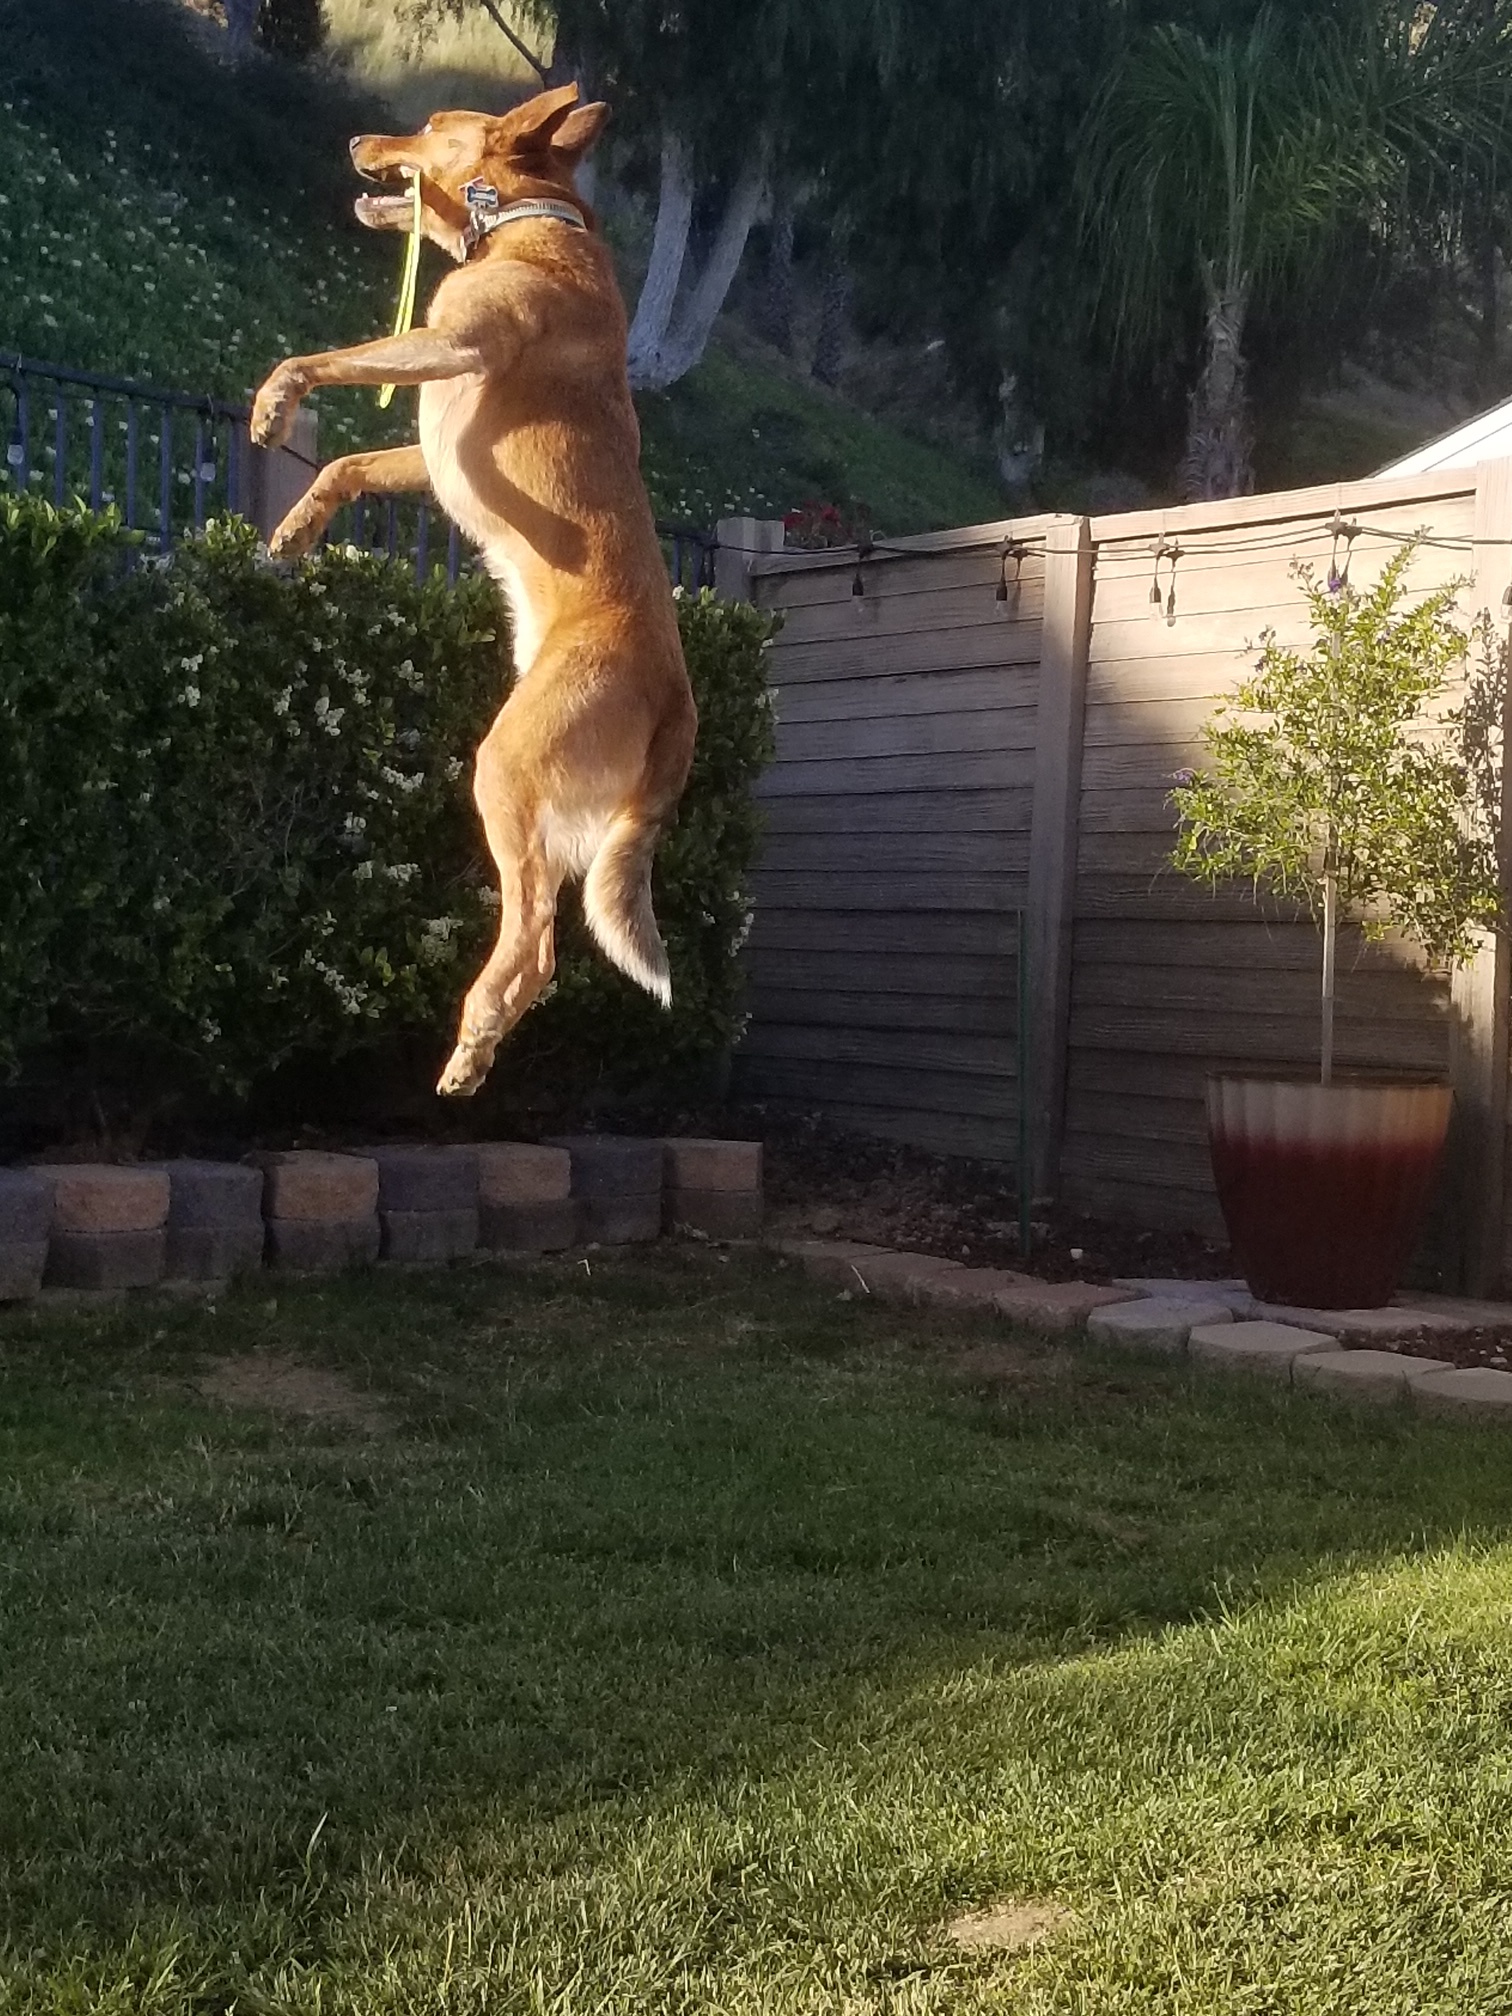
(480, 195)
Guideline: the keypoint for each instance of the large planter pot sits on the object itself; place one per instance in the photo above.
(1323, 1186)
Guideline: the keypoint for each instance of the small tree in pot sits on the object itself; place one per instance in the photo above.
(1357, 792)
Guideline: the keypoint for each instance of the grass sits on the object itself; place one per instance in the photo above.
(463, 61)
(165, 218)
(696, 1641)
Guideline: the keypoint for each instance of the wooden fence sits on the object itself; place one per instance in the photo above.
(985, 721)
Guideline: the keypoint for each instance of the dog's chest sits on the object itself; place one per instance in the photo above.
(448, 408)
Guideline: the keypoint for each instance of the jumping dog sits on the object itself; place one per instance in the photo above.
(529, 441)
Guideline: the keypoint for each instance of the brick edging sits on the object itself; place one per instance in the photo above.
(1203, 1332)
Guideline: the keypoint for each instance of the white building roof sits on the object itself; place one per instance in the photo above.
(1486, 438)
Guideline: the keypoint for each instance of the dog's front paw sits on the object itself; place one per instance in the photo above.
(276, 404)
(297, 534)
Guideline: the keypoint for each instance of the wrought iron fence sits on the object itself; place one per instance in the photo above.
(170, 460)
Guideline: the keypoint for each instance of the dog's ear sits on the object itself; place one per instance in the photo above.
(578, 131)
(533, 126)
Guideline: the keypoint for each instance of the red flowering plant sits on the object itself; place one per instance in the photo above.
(814, 526)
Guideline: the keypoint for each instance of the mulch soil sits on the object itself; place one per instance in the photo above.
(843, 1186)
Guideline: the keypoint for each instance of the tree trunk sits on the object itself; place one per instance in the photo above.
(834, 315)
(1488, 263)
(1219, 448)
(685, 346)
(774, 308)
(241, 20)
(669, 243)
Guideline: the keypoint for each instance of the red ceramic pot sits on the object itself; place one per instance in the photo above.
(1323, 1186)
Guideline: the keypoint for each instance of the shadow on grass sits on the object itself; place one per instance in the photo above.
(720, 1622)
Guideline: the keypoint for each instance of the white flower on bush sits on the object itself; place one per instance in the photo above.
(363, 872)
(329, 717)
(401, 871)
(352, 996)
(190, 696)
(400, 780)
(490, 898)
(743, 932)
(435, 936)
(409, 675)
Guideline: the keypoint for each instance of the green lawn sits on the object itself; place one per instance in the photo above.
(675, 1636)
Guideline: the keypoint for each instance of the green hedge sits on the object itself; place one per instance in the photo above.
(236, 827)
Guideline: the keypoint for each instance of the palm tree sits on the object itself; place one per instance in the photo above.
(1234, 165)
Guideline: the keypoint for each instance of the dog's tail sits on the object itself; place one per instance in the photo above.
(617, 904)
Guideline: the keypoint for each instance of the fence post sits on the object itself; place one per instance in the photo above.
(742, 540)
(1053, 833)
(1478, 1058)
(272, 480)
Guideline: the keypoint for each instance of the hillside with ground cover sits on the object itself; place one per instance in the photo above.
(170, 219)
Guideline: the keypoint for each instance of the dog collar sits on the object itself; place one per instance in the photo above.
(484, 215)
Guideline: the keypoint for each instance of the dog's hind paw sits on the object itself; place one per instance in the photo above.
(465, 1072)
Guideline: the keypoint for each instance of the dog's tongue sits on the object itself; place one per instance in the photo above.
(380, 210)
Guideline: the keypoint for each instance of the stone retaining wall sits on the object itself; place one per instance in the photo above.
(105, 1226)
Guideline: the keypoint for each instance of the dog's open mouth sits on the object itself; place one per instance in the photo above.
(394, 206)
(378, 211)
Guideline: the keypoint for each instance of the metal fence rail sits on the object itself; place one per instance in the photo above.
(168, 460)
(171, 460)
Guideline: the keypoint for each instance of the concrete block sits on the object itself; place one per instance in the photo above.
(1472, 1315)
(1234, 1295)
(874, 1270)
(1256, 1347)
(1363, 1326)
(213, 1252)
(323, 1245)
(814, 1255)
(549, 1226)
(22, 1266)
(519, 1172)
(711, 1165)
(719, 1214)
(307, 1183)
(26, 1208)
(612, 1165)
(1471, 1391)
(431, 1236)
(213, 1196)
(1055, 1305)
(1154, 1323)
(1367, 1375)
(426, 1178)
(619, 1221)
(106, 1259)
(90, 1197)
(954, 1286)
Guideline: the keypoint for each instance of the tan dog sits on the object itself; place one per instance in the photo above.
(530, 442)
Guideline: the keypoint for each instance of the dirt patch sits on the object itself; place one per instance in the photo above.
(275, 1384)
(1010, 1925)
(822, 1183)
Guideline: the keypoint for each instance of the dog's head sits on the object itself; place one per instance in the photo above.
(531, 151)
